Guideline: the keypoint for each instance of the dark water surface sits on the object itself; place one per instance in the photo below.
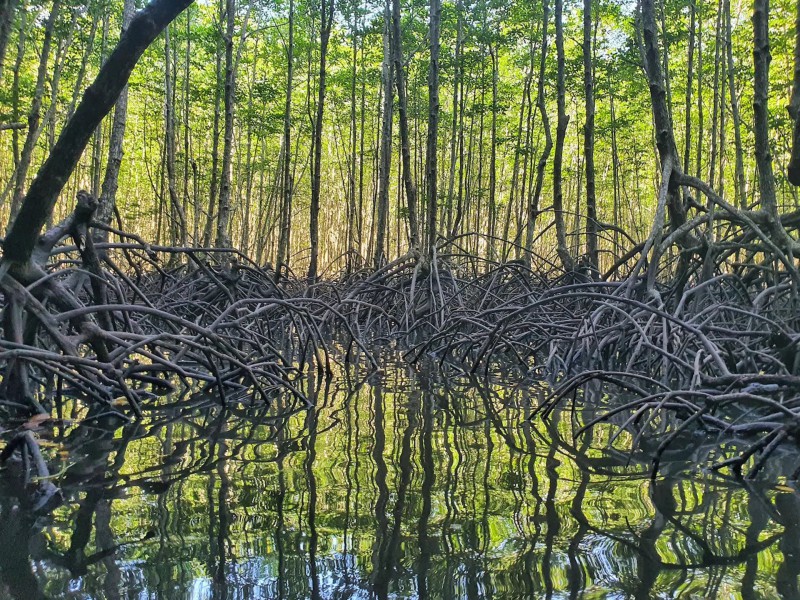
(404, 486)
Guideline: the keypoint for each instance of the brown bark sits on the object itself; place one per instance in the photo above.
(762, 58)
(223, 239)
(793, 173)
(108, 195)
(285, 217)
(535, 196)
(402, 109)
(588, 137)
(7, 8)
(431, 162)
(34, 115)
(384, 166)
(326, 16)
(561, 133)
(737, 120)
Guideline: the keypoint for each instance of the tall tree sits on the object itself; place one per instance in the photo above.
(7, 8)
(108, 194)
(326, 22)
(402, 110)
(561, 133)
(224, 206)
(177, 214)
(385, 160)
(431, 162)
(535, 196)
(737, 119)
(284, 234)
(793, 171)
(588, 136)
(35, 113)
(761, 59)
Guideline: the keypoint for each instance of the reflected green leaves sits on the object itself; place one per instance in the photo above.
(410, 486)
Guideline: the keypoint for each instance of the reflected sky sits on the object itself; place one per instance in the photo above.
(405, 485)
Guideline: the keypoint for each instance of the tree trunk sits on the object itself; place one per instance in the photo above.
(523, 106)
(716, 104)
(665, 138)
(431, 162)
(700, 134)
(384, 166)
(15, 85)
(214, 187)
(34, 116)
(455, 132)
(533, 200)
(402, 109)
(687, 148)
(561, 133)
(326, 17)
(108, 194)
(588, 138)
(224, 207)
(7, 8)
(762, 58)
(493, 155)
(741, 200)
(177, 216)
(793, 173)
(351, 173)
(284, 235)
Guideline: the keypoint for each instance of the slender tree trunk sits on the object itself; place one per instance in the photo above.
(431, 162)
(87, 53)
(737, 119)
(97, 139)
(533, 201)
(588, 138)
(762, 58)
(34, 116)
(211, 213)
(361, 161)
(523, 106)
(493, 155)
(351, 174)
(665, 138)
(284, 235)
(665, 55)
(186, 126)
(454, 130)
(712, 166)
(177, 216)
(402, 109)
(15, 86)
(616, 177)
(384, 166)
(793, 172)
(224, 210)
(700, 133)
(108, 191)
(561, 133)
(687, 148)
(7, 8)
(326, 16)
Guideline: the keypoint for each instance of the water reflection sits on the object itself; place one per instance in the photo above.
(403, 485)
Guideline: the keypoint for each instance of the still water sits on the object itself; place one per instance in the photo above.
(403, 485)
